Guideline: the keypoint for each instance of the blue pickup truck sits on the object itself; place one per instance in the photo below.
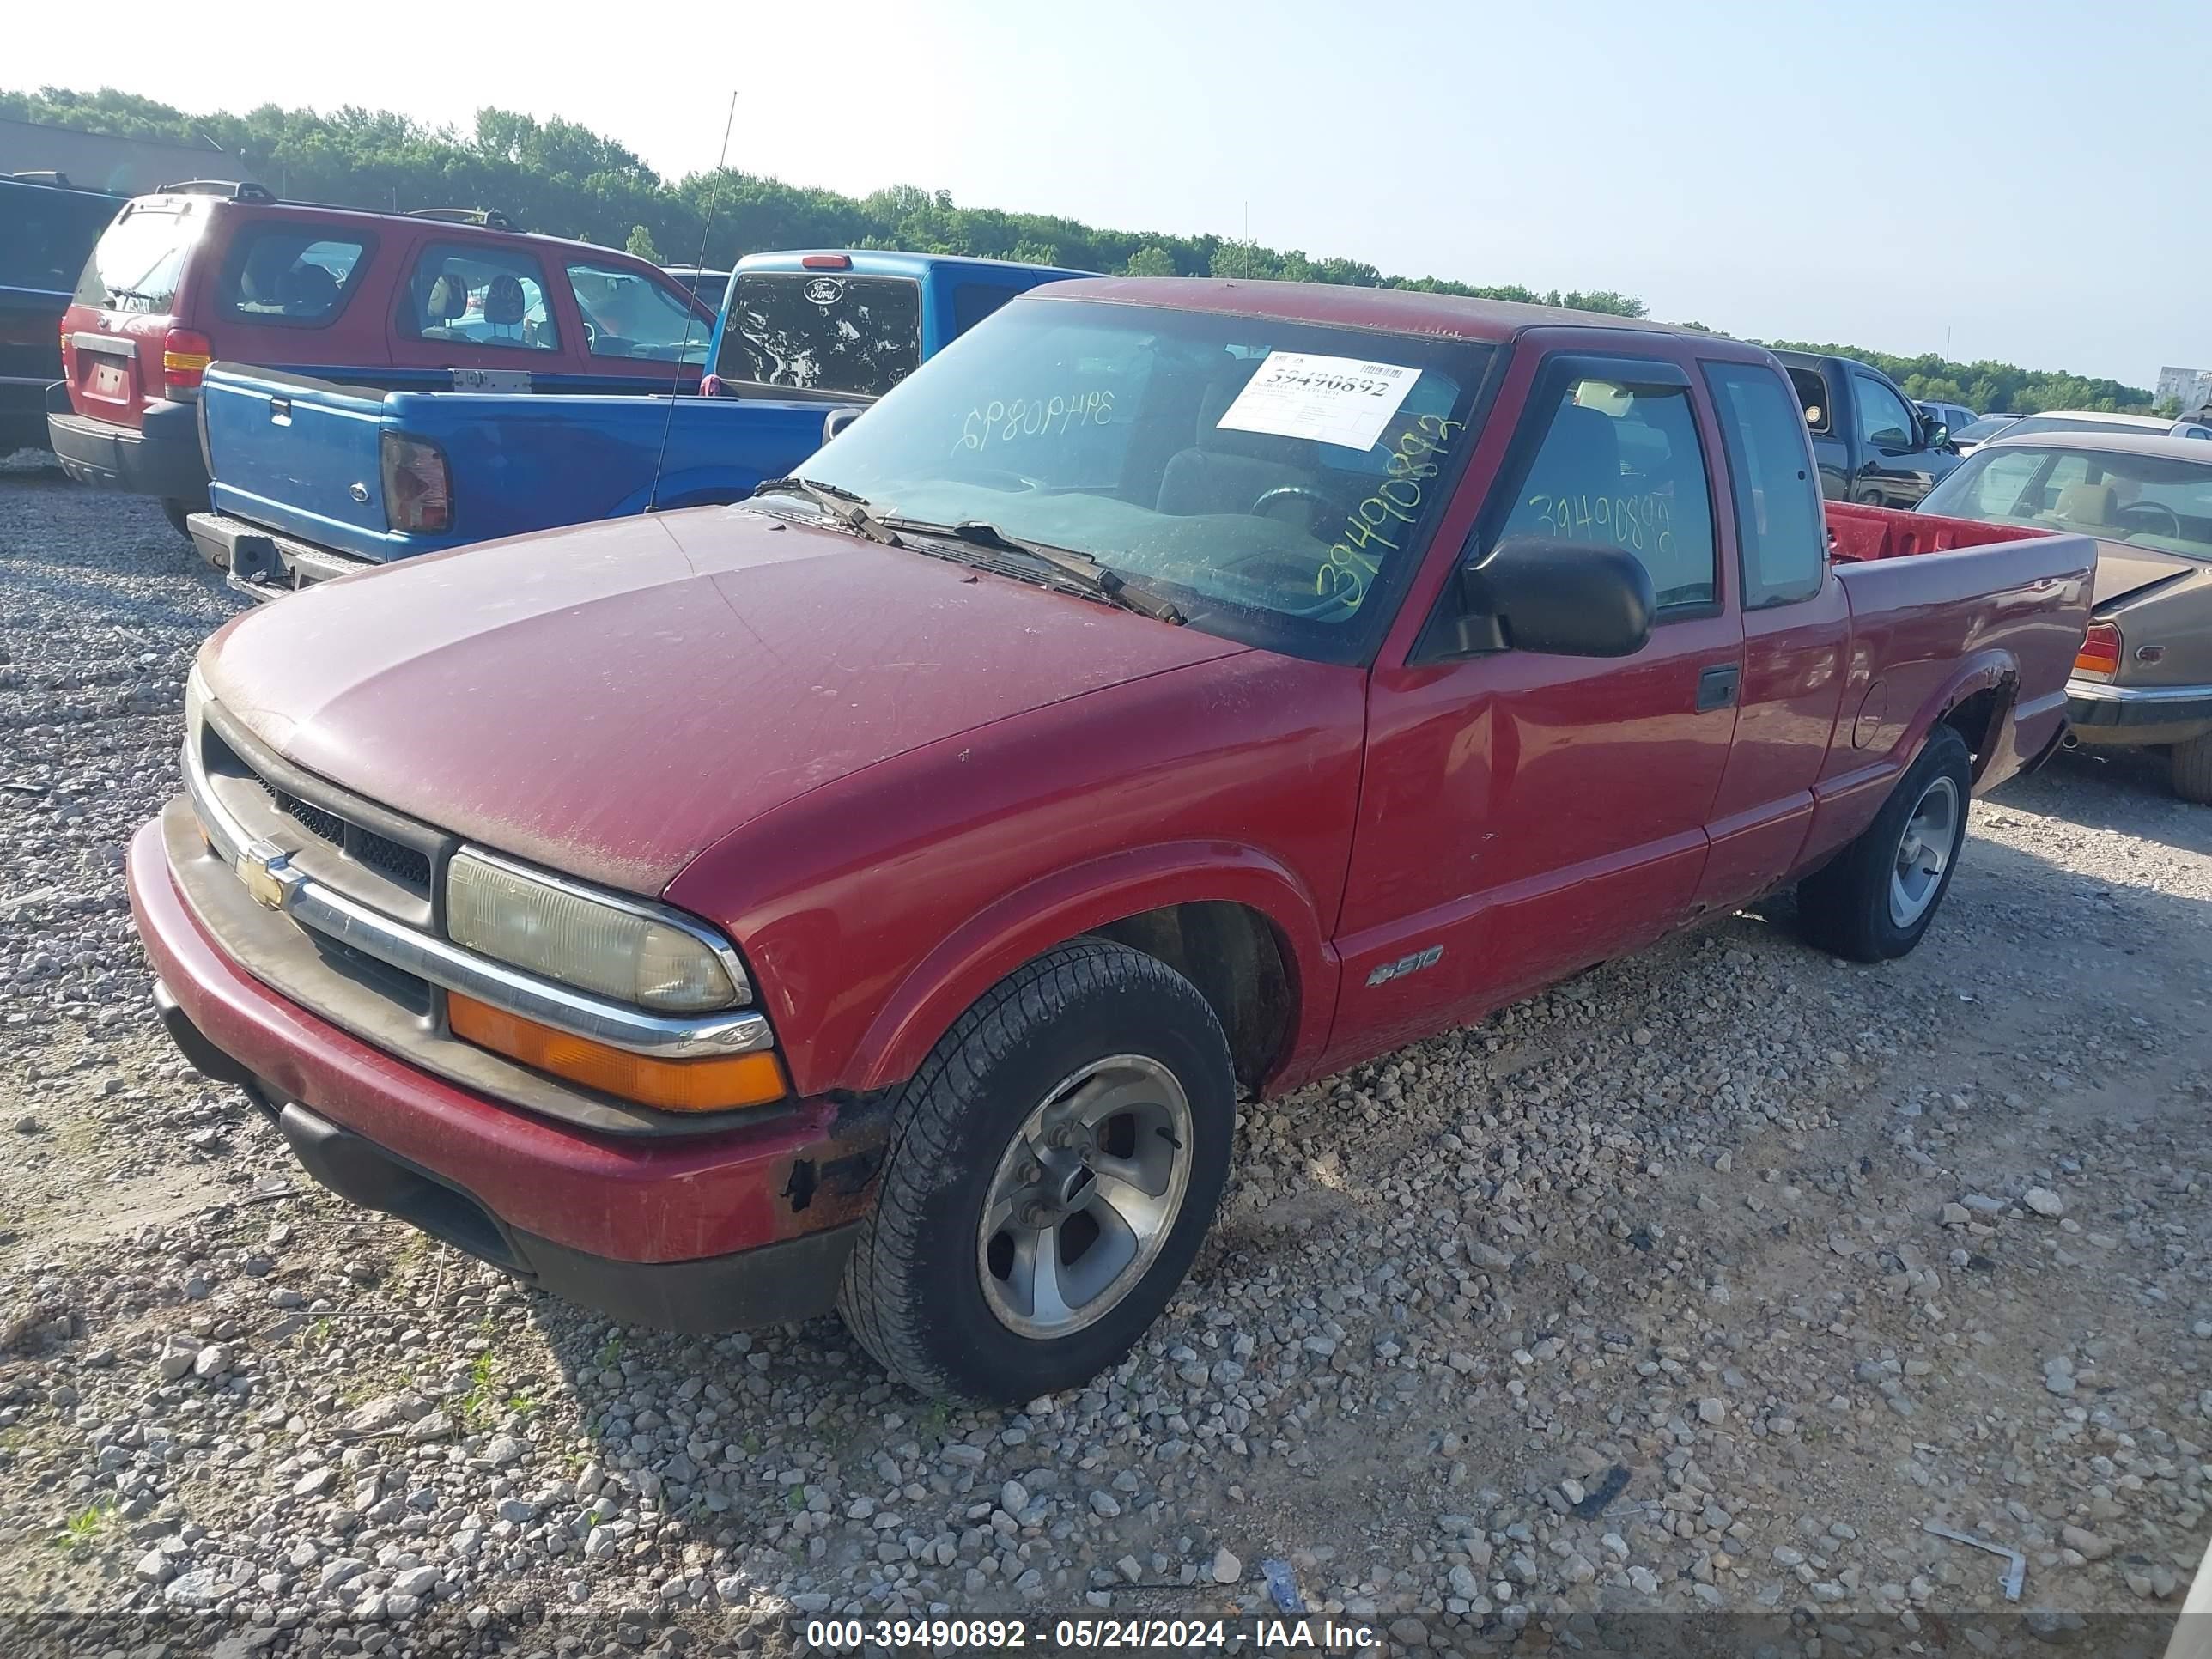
(311, 480)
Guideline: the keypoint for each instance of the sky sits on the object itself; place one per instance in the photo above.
(2020, 178)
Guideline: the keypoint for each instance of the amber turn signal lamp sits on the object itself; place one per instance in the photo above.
(2101, 652)
(716, 1084)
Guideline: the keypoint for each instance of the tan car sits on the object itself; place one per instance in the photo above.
(2144, 676)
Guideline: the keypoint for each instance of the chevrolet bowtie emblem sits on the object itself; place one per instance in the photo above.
(265, 868)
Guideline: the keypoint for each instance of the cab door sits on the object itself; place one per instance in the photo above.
(1895, 464)
(1525, 816)
(1795, 624)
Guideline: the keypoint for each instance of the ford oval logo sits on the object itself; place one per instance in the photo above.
(825, 290)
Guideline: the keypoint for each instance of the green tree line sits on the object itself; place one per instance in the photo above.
(1991, 387)
(561, 178)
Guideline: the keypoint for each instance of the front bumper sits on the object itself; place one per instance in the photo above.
(2137, 714)
(162, 458)
(716, 1232)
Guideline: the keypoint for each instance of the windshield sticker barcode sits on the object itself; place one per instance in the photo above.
(1332, 400)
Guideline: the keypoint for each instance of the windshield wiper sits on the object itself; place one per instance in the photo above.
(1084, 571)
(840, 504)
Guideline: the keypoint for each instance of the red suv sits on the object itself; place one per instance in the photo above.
(426, 302)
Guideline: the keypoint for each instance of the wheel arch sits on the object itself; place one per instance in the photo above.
(1976, 701)
(1235, 922)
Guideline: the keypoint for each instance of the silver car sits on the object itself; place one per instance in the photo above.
(2143, 678)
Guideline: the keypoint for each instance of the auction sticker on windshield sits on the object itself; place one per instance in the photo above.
(1332, 400)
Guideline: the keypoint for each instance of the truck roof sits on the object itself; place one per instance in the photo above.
(1399, 310)
(891, 262)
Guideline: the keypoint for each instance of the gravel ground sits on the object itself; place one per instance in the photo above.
(1700, 1283)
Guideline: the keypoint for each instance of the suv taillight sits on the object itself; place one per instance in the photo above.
(2100, 654)
(185, 354)
(418, 491)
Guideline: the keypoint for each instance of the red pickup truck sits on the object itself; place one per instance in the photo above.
(880, 893)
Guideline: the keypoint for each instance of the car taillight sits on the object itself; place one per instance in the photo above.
(2100, 654)
(185, 354)
(826, 262)
(418, 491)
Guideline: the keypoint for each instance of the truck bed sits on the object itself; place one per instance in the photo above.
(1931, 595)
(300, 458)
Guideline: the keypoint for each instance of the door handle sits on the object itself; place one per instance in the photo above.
(1716, 686)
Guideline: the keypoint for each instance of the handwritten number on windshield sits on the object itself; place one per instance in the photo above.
(1376, 525)
(1003, 422)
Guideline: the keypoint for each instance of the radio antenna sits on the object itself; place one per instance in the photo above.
(676, 378)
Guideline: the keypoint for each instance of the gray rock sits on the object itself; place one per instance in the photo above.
(2043, 1202)
(374, 1417)
(2087, 1545)
(1227, 1569)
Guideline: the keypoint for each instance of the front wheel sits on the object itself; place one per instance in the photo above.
(1875, 899)
(1053, 1170)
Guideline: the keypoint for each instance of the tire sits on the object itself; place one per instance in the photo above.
(2191, 765)
(1868, 904)
(935, 1297)
(174, 511)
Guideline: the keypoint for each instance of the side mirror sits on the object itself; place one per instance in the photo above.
(836, 421)
(1562, 598)
(1939, 436)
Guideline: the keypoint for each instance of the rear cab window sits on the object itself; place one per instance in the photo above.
(290, 275)
(1619, 462)
(138, 264)
(1781, 525)
(1812, 399)
(812, 331)
(478, 295)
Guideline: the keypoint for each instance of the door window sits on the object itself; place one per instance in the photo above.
(1884, 421)
(288, 275)
(1622, 464)
(1781, 528)
(478, 296)
(627, 314)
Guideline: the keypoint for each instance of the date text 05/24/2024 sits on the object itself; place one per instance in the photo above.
(1089, 1635)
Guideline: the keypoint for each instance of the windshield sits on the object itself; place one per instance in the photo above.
(1988, 427)
(2084, 423)
(811, 332)
(1277, 481)
(138, 263)
(2148, 501)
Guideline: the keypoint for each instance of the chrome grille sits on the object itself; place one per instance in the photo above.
(336, 843)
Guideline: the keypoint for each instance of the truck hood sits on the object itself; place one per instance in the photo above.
(610, 700)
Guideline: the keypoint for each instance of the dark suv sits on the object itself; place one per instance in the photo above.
(46, 227)
(425, 302)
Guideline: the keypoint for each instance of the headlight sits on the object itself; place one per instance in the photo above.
(619, 950)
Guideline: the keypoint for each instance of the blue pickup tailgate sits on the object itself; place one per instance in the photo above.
(297, 455)
(303, 458)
